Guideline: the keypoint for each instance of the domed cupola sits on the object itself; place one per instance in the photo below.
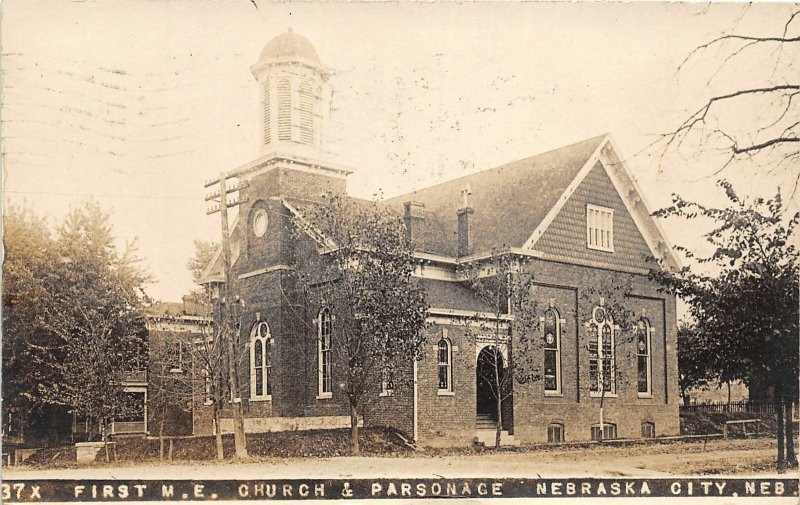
(291, 81)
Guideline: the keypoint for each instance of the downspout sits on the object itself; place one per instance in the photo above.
(416, 398)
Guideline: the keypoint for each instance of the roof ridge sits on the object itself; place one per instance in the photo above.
(596, 138)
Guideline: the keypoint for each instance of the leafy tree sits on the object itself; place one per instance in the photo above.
(204, 252)
(502, 283)
(93, 315)
(693, 360)
(746, 308)
(30, 259)
(746, 118)
(360, 269)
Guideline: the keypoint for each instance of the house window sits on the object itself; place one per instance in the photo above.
(648, 430)
(643, 361)
(267, 113)
(609, 431)
(325, 323)
(445, 362)
(176, 356)
(599, 228)
(555, 433)
(260, 362)
(284, 110)
(306, 99)
(387, 381)
(552, 352)
(602, 372)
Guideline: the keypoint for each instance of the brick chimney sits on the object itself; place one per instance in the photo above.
(414, 216)
(465, 223)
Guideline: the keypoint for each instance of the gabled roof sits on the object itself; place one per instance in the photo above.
(510, 201)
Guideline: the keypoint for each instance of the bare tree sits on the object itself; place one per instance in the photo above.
(754, 119)
(372, 313)
(503, 285)
(608, 322)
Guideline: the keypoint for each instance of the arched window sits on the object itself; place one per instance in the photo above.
(602, 365)
(555, 433)
(643, 361)
(306, 99)
(648, 430)
(267, 113)
(284, 110)
(260, 362)
(552, 352)
(445, 365)
(325, 329)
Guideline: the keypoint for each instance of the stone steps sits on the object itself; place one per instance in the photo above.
(487, 438)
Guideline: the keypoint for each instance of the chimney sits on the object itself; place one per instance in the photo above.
(413, 215)
(465, 223)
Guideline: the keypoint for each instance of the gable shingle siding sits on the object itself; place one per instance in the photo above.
(565, 238)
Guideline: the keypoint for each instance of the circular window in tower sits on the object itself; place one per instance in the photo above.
(260, 222)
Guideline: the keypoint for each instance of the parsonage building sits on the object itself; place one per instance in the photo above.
(576, 216)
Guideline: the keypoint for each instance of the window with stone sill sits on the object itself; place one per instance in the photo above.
(325, 336)
(445, 365)
(261, 362)
(552, 351)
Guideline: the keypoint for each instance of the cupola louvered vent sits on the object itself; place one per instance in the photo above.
(284, 110)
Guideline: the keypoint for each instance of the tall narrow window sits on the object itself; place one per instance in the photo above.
(325, 335)
(552, 352)
(445, 363)
(284, 110)
(602, 364)
(260, 362)
(306, 99)
(599, 228)
(643, 361)
(267, 113)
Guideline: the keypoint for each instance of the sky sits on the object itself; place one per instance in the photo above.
(135, 103)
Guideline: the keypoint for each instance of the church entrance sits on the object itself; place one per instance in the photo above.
(486, 386)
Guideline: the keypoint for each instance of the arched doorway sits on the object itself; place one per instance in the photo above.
(489, 358)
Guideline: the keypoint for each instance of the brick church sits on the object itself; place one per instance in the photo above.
(575, 214)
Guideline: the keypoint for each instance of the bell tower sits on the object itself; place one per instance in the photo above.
(293, 91)
(292, 162)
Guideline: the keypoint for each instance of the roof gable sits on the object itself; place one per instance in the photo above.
(509, 200)
(610, 172)
(565, 236)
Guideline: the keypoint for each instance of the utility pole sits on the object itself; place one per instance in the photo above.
(227, 299)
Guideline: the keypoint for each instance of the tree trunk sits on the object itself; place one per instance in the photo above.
(602, 422)
(354, 430)
(104, 429)
(779, 415)
(729, 393)
(218, 433)
(791, 457)
(499, 395)
(161, 439)
(170, 453)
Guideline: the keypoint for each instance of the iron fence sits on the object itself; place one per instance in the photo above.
(749, 406)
